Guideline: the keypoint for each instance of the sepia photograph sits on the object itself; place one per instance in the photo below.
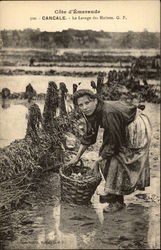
(80, 124)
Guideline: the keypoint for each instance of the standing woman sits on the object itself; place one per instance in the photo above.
(124, 154)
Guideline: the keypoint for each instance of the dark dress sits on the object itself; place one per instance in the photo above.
(125, 145)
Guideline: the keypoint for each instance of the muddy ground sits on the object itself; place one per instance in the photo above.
(44, 222)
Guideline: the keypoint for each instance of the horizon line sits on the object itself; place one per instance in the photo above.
(28, 28)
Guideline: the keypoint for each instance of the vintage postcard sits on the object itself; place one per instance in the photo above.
(80, 124)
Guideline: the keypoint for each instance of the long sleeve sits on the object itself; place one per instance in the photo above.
(114, 134)
(90, 136)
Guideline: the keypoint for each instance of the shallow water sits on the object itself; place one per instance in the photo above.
(13, 120)
(40, 83)
(12, 123)
(56, 225)
(18, 83)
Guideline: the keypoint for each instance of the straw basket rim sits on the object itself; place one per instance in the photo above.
(84, 181)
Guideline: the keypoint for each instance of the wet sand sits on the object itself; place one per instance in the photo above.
(47, 223)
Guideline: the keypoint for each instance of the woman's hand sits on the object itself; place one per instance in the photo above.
(75, 160)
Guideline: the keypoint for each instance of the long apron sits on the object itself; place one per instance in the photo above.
(130, 170)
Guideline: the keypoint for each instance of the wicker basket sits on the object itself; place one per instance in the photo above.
(75, 190)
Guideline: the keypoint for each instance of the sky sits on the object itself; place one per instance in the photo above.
(133, 15)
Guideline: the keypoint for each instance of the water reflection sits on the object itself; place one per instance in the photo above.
(72, 227)
(65, 226)
(154, 227)
(51, 235)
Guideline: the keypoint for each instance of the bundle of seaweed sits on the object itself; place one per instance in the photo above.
(12, 191)
(20, 161)
(24, 158)
(51, 103)
(111, 92)
(17, 159)
(13, 195)
(17, 171)
(54, 139)
(149, 93)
